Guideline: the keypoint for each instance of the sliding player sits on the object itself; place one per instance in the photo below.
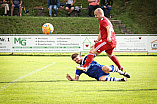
(95, 70)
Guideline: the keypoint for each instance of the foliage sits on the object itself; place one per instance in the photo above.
(138, 15)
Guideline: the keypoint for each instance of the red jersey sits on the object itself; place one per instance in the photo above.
(103, 23)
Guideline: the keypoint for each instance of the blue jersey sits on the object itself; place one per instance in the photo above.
(94, 70)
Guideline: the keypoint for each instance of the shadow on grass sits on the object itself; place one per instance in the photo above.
(118, 90)
(48, 81)
(110, 90)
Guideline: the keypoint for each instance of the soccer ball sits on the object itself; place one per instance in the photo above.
(47, 28)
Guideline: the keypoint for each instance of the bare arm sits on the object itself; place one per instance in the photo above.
(91, 1)
(73, 2)
(12, 2)
(20, 3)
(108, 33)
(72, 79)
(99, 38)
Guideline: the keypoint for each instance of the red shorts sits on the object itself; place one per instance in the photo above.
(103, 46)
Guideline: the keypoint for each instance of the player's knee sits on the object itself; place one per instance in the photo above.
(106, 69)
(92, 51)
(103, 78)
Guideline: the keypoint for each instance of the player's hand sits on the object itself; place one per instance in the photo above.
(96, 41)
(109, 39)
(69, 77)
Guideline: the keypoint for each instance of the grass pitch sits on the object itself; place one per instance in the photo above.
(42, 79)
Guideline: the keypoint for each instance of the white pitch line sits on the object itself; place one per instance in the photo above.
(7, 85)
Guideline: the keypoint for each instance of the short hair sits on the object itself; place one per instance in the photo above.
(74, 55)
(99, 10)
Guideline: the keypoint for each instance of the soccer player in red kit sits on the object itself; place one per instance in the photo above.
(106, 41)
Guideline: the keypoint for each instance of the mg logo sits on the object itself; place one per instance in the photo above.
(22, 42)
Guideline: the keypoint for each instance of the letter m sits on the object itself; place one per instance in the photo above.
(20, 41)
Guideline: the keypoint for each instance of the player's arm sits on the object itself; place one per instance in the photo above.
(99, 38)
(108, 33)
(72, 79)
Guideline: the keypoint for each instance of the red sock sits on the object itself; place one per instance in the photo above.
(115, 60)
(89, 59)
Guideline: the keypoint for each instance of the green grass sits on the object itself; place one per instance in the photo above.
(62, 25)
(29, 79)
(138, 15)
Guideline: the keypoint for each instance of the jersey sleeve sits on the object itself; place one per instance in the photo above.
(105, 23)
(78, 72)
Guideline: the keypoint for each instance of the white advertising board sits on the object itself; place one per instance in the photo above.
(131, 44)
(6, 43)
(46, 44)
(152, 44)
(73, 43)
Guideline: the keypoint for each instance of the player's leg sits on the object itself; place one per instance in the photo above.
(109, 53)
(90, 56)
(115, 79)
(115, 69)
(104, 75)
(96, 49)
(89, 59)
(112, 68)
(106, 78)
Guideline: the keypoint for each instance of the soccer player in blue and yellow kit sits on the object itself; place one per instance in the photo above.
(95, 70)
